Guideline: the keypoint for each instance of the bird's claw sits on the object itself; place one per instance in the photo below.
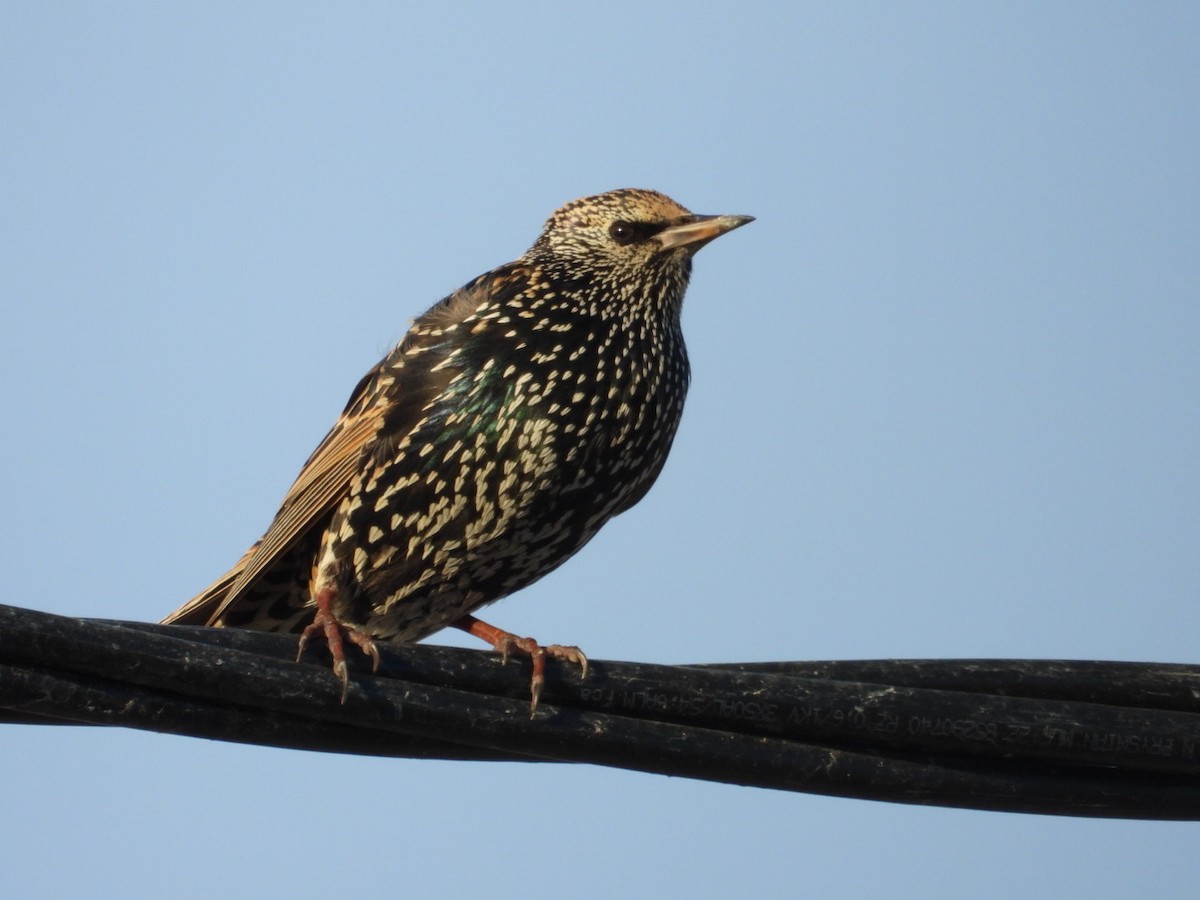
(537, 654)
(506, 643)
(570, 654)
(326, 624)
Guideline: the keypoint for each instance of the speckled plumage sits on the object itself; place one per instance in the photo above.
(514, 419)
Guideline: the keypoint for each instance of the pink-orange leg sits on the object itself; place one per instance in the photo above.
(326, 623)
(507, 643)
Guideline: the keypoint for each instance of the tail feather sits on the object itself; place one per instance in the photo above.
(206, 607)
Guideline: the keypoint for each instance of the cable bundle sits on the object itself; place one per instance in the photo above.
(1070, 738)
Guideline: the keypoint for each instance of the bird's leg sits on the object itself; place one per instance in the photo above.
(326, 623)
(505, 643)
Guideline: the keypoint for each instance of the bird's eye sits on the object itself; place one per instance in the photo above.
(631, 232)
(623, 232)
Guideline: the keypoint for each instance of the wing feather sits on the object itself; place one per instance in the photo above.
(389, 400)
(321, 485)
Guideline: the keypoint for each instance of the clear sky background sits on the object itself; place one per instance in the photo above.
(945, 398)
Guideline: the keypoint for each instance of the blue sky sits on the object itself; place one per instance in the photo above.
(944, 399)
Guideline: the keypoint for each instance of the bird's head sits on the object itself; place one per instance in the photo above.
(629, 235)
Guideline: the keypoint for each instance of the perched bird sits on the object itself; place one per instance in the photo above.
(514, 419)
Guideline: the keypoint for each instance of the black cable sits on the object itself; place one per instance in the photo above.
(43, 697)
(837, 712)
(771, 725)
(1152, 685)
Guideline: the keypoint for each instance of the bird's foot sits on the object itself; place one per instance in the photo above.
(326, 624)
(505, 643)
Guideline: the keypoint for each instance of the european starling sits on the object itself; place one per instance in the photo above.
(515, 418)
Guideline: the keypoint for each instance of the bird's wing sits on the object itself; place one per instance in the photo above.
(321, 484)
(390, 398)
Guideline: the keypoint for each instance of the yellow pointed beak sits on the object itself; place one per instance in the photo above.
(698, 231)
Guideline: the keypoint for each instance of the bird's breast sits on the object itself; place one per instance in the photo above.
(520, 459)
